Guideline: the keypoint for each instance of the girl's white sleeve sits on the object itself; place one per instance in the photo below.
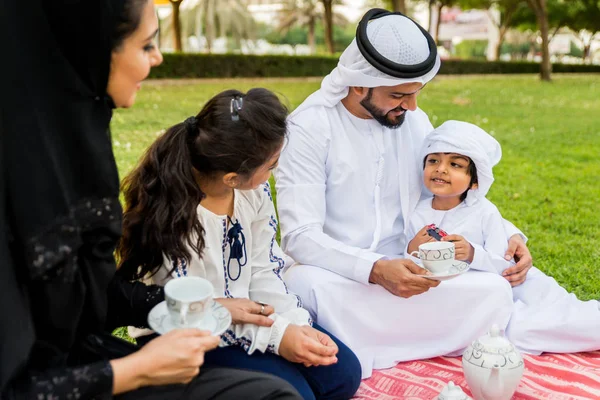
(267, 285)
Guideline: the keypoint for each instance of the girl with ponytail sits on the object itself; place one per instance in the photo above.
(198, 204)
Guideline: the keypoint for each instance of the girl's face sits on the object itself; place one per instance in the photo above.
(262, 173)
(446, 174)
(131, 62)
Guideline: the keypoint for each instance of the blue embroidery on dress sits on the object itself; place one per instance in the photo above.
(280, 262)
(267, 189)
(231, 340)
(223, 246)
(237, 248)
(179, 266)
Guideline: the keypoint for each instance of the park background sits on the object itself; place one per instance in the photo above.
(526, 71)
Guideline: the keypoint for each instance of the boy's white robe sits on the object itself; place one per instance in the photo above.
(326, 201)
(546, 317)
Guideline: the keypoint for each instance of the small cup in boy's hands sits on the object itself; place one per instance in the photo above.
(463, 250)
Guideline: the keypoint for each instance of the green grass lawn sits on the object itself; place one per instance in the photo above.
(546, 184)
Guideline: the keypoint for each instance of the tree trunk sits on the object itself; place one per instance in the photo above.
(176, 24)
(209, 24)
(502, 26)
(543, 21)
(541, 13)
(498, 48)
(311, 36)
(399, 5)
(586, 52)
(328, 6)
(429, 26)
(438, 23)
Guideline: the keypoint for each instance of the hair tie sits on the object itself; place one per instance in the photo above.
(191, 126)
(235, 107)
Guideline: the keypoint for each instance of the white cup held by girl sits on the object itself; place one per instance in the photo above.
(189, 299)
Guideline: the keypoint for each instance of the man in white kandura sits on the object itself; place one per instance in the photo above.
(347, 183)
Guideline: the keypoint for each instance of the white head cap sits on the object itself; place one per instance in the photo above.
(471, 141)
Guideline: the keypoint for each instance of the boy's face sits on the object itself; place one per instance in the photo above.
(446, 174)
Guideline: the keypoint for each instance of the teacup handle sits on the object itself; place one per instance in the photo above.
(183, 311)
(412, 253)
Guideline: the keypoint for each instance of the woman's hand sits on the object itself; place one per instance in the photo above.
(245, 311)
(306, 345)
(421, 237)
(463, 250)
(173, 358)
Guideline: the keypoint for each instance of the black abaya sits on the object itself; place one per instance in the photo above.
(60, 216)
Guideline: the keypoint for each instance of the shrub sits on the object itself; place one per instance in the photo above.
(239, 65)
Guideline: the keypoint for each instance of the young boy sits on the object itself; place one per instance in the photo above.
(458, 161)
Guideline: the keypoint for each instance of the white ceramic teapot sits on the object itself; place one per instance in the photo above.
(452, 392)
(493, 367)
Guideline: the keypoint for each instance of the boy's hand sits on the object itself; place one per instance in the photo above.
(421, 237)
(463, 250)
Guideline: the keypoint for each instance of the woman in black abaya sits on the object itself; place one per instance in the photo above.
(66, 64)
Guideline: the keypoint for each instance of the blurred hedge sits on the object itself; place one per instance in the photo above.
(236, 65)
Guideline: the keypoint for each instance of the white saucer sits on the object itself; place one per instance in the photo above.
(457, 268)
(216, 321)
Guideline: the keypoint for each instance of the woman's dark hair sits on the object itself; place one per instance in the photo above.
(128, 21)
(162, 194)
(471, 171)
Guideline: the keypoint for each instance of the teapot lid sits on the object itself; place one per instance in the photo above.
(452, 392)
(495, 340)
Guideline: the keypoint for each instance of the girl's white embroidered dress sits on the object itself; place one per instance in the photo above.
(255, 276)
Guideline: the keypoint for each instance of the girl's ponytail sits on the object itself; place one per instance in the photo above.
(161, 200)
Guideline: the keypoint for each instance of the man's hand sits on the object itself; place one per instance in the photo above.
(306, 345)
(463, 250)
(401, 277)
(421, 237)
(519, 251)
(245, 311)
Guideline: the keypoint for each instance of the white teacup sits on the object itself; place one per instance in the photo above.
(437, 257)
(189, 298)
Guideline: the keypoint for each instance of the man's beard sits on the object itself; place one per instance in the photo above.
(381, 116)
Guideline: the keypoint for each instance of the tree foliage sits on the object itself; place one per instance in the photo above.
(584, 19)
(211, 18)
(308, 13)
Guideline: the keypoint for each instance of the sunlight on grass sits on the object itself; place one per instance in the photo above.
(546, 183)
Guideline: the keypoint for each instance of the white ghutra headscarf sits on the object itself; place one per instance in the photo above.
(471, 141)
(395, 37)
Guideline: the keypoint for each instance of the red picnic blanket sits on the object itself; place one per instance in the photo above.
(546, 377)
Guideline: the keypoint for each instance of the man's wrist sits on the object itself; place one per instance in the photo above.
(376, 271)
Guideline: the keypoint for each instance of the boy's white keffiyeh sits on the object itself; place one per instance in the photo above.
(471, 141)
